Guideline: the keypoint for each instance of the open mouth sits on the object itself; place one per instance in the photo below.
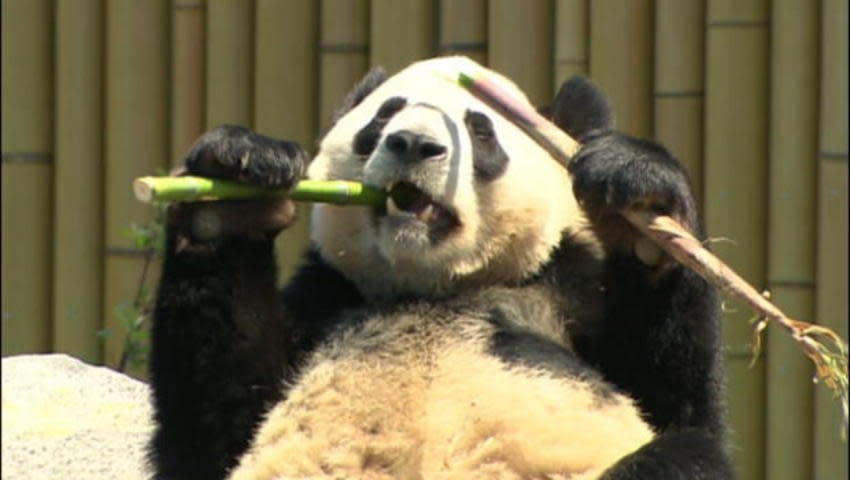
(405, 199)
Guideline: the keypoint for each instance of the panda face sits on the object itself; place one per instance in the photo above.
(472, 199)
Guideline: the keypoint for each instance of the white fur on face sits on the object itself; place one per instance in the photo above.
(508, 227)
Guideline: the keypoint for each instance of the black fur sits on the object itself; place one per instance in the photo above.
(372, 80)
(366, 139)
(590, 113)
(220, 346)
(223, 341)
(236, 153)
(688, 454)
(488, 158)
(225, 345)
(615, 172)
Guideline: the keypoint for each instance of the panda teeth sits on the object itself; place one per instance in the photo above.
(392, 208)
(426, 214)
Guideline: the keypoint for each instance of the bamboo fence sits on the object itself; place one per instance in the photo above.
(621, 60)
(401, 31)
(830, 453)
(735, 186)
(188, 77)
(230, 62)
(791, 230)
(285, 88)
(136, 107)
(520, 44)
(27, 171)
(571, 40)
(343, 52)
(679, 89)
(751, 95)
(78, 190)
(462, 28)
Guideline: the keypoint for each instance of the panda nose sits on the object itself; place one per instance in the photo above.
(413, 147)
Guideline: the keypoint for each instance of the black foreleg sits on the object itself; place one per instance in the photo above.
(683, 455)
(218, 355)
(661, 344)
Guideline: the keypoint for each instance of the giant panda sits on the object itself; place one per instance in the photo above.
(495, 319)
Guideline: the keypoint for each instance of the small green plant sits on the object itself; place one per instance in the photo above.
(135, 316)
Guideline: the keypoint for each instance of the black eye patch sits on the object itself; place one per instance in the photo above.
(366, 139)
(488, 159)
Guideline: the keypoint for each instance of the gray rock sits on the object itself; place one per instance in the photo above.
(65, 419)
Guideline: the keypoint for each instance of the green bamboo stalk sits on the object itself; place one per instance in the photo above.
(186, 189)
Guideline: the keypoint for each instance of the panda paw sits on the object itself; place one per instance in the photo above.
(613, 173)
(236, 153)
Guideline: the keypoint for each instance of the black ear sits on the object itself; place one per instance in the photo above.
(580, 108)
(374, 78)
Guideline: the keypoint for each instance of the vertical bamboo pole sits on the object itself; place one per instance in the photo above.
(571, 40)
(344, 52)
(187, 69)
(735, 192)
(463, 29)
(791, 231)
(285, 71)
(229, 62)
(286, 99)
(679, 77)
(78, 201)
(831, 300)
(520, 40)
(136, 113)
(27, 165)
(402, 31)
(621, 60)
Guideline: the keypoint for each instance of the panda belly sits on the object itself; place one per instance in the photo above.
(402, 398)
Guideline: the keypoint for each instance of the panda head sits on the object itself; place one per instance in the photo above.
(473, 200)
